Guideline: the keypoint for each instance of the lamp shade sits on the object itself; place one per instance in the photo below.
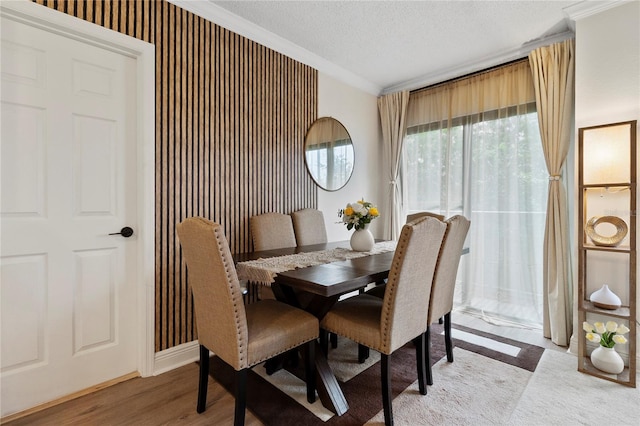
(607, 155)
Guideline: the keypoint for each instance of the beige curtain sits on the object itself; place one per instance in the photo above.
(393, 108)
(493, 90)
(553, 74)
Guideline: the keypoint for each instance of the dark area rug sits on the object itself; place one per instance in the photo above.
(274, 407)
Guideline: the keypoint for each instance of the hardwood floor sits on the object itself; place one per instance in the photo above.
(167, 399)
(170, 398)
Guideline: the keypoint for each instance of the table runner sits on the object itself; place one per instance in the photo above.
(264, 271)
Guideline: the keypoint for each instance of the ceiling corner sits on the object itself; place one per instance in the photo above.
(222, 17)
(478, 65)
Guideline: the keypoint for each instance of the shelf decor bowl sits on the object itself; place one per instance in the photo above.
(600, 240)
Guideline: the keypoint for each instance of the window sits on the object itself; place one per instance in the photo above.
(489, 167)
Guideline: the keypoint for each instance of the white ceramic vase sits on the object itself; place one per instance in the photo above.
(605, 298)
(607, 360)
(362, 240)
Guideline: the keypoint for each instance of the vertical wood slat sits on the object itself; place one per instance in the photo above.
(169, 257)
(162, 173)
(231, 117)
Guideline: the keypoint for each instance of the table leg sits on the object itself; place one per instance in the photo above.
(327, 385)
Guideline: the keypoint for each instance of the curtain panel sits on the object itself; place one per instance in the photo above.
(393, 108)
(552, 68)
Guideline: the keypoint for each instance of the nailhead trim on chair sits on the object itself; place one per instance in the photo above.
(353, 338)
(242, 356)
(286, 350)
(401, 248)
(393, 275)
(237, 315)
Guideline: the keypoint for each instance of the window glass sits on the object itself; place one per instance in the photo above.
(490, 168)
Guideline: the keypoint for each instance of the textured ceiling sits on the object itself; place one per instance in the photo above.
(394, 43)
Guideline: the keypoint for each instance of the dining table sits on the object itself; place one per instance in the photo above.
(316, 288)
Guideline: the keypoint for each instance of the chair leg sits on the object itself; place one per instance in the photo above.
(324, 342)
(363, 353)
(274, 364)
(334, 340)
(310, 371)
(241, 397)
(291, 358)
(203, 382)
(386, 389)
(420, 361)
(427, 355)
(447, 336)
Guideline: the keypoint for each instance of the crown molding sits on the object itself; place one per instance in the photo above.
(584, 9)
(222, 17)
(479, 65)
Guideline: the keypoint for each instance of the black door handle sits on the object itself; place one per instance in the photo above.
(125, 232)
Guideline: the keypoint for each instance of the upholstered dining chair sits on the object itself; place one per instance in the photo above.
(271, 231)
(417, 215)
(378, 290)
(241, 336)
(414, 216)
(309, 227)
(442, 288)
(387, 324)
(444, 282)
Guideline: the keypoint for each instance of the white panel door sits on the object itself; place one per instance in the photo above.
(68, 170)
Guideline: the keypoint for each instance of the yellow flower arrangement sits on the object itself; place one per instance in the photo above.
(359, 214)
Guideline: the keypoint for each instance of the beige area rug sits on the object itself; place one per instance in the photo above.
(488, 384)
(558, 394)
(473, 390)
(482, 386)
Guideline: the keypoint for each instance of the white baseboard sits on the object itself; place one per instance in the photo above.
(175, 357)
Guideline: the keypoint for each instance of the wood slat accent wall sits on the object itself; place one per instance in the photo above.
(231, 117)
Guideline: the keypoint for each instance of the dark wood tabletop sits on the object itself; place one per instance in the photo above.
(330, 279)
(337, 278)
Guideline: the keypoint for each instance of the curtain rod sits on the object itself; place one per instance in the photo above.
(471, 74)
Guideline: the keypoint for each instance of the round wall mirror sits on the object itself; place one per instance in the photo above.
(328, 153)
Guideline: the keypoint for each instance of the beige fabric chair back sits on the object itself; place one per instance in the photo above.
(414, 216)
(409, 285)
(272, 231)
(220, 312)
(444, 281)
(309, 227)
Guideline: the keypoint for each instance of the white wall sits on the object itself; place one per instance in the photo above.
(358, 112)
(607, 81)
